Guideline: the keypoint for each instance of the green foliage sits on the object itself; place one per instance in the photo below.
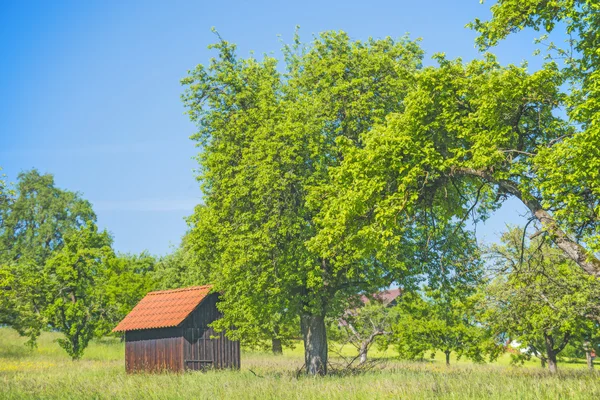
(6, 197)
(22, 299)
(445, 314)
(38, 216)
(57, 271)
(443, 320)
(129, 278)
(570, 163)
(468, 137)
(539, 295)
(578, 19)
(35, 217)
(182, 267)
(76, 277)
(268, 139)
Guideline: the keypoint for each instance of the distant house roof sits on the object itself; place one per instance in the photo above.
(387, 296)
(164, 308)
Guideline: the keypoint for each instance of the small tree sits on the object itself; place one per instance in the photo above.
(590, 341)
(539, 298)
(35, 218)
(364, 322)
(443, 320)
(76, 277)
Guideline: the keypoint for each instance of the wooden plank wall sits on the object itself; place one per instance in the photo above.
(154, 350)
(200, 351)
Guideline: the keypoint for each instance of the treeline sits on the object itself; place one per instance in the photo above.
(527, 299)
(59, 272)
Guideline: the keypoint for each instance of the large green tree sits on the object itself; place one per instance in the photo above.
(268, 142)
(35, 217)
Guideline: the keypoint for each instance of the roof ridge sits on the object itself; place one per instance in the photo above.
(190, 288)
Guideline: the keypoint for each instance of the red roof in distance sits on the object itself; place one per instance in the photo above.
(164, 308)
(385, 296)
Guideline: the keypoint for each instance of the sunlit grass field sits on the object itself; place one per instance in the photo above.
(47, 373)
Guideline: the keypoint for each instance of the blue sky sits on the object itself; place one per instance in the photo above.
(90, 92)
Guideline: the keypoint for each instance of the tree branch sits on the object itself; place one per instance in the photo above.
(572, 249)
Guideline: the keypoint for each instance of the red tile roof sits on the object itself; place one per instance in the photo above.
(164, 308)
(386, 296)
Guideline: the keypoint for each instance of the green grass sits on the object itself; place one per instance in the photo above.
(47, 373)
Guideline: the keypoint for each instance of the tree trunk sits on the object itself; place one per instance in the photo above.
(315, 344)
(590, 360)
(551, 353)
(552, 365)
(276, 346)
(364, 348)
(543, 362)
(447, 357)
(588, 355)
(570, 247)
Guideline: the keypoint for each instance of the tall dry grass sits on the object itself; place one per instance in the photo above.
(47, 373)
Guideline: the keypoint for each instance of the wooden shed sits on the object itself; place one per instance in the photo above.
(168, 330)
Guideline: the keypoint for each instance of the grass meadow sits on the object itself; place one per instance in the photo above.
(47, 373)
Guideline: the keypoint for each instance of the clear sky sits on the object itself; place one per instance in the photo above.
(90, 92)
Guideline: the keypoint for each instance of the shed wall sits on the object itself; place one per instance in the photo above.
(154, 350)
(202, 347)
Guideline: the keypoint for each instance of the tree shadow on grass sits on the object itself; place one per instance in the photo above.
(15, 351)
(569, 360)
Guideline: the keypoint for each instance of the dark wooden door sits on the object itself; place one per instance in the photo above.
(198, 349)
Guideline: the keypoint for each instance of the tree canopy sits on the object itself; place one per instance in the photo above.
(75, 278)
(35, 218)
(269, 142)
(569, 166)
(57, 271)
